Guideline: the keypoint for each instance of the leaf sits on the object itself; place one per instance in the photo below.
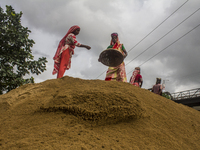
(16, 59)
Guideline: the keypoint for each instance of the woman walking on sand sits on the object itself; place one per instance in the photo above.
(117, 73)
(136, 78)
(65, 50)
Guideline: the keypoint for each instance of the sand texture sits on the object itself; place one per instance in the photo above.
(75, 114)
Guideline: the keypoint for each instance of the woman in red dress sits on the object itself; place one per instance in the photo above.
(136, 78)
(65, 50)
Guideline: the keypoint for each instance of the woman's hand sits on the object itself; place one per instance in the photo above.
(88, 47)
(125, 55)
(99, 59)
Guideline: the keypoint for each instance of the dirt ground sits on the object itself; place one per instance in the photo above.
(75, 114)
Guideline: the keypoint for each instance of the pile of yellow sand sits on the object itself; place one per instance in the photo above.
(71, 113)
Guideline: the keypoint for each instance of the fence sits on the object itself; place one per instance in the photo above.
(186, 94)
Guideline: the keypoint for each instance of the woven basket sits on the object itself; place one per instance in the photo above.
(111, 57)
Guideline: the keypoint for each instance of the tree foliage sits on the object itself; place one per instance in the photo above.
(16, 59)
(167, 95)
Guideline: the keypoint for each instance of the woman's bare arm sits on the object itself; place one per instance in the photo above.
(86, 46)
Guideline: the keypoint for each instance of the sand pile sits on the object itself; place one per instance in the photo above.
(70, 113)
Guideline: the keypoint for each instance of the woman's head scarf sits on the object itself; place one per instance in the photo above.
(117, 44)
(158, 80)
(137, 68)
(114, 34)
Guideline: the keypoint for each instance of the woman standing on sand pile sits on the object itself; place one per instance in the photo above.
(116, 73)
(65, 50)
(157, 88)
(136, 78)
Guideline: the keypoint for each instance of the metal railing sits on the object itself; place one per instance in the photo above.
(186, 94)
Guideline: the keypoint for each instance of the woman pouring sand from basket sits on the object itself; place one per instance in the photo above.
(116, 73)
(65, 50)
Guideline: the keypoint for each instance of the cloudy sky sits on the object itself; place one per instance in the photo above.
(161, 36)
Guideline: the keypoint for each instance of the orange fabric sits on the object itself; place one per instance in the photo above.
(65, 58)
(136, 84)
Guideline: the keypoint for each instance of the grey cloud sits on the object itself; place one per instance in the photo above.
(133, 20)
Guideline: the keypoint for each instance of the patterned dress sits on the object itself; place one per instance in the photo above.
(117, 73)
(136, 78)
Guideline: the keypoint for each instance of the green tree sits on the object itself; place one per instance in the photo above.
(167, 95)
(16, 59)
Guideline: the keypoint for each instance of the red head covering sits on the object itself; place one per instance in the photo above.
(114, 34)
(62, 42)
(117, 44)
